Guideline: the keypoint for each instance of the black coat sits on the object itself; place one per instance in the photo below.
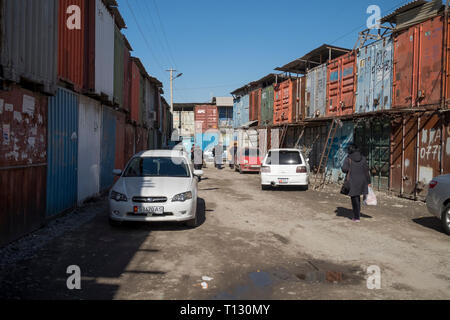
(359, 175)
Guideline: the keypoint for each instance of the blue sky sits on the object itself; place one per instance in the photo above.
(222, 45)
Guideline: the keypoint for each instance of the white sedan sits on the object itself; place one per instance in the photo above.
(157, 185)
(284, 167)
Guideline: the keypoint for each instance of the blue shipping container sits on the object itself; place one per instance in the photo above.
(241, 111)
(375, 68)
(62, 152)
(207, 140)
(316, 91)
(108, 148)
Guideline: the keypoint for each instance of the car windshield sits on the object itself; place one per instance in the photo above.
(284, 158)
(251, 152)
(157, 167)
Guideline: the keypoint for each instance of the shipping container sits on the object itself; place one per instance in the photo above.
(129, 142)
(151, 92)
(373, 138)
(186, 120)
(374, 74)
(119, 58)
(207, 115)
(289, 101)
(266, 106)
(341, 85)
(255, 105)
(71, 42)
(89, 47)
(143, 112)
(89, 135)
(104, 51)
(316, 92)
(207, 140)
(119, 162)
(419, 151)
(127, 76)
(225, 116)
(241, 110)
(62, 152)
(313, 142)
(418, 64)
(135, 92)
(343, 138)
(29, 42)
(23, 162)
(108, 148)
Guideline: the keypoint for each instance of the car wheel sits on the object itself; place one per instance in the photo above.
(192, 223)
(265, 187)
(114, 223)
(446, 219)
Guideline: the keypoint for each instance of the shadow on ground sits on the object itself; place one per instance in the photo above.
(431, 223)
(348, 213)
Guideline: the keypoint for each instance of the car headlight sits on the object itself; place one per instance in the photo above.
(182, 196)
(118, 196)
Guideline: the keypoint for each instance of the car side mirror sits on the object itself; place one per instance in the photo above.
(117, 172)
(198, 173)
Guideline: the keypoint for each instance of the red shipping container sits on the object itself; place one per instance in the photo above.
(89, 47)
(289, 101)
(71, 42)
(130, 149)
(255, 105)
(418, 64)
(135, 91)
(341, 85)
(207, 115)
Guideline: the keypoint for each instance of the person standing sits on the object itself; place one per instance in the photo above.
(218, 154)
(357, 170)
(198, 158)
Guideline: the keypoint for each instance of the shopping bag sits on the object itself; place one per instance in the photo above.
(371, 199)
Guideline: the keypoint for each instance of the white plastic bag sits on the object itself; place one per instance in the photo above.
(371, 198)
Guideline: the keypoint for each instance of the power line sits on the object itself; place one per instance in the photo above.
(164, 32)
(162, 46)
(143, 36)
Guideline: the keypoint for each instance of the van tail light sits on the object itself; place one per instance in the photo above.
(433, 184)
(301, 169)
(265, 169)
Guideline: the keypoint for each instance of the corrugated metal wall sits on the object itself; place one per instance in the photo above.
(104, 51)
(241, 111)
(316, 91)
(338, 153)
(62, 152)
(129, 142)
(23, 162)
(29, 41)
(135, 92)
(119, 162)
(89, 135)
(266, 106)
(108, 148)
(119, 51)
(375, 67)
(71, 42)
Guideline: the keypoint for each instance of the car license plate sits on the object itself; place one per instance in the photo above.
(152, 210)
(255, 166)
(283, 180)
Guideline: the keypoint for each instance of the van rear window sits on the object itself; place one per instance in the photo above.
(286, 158)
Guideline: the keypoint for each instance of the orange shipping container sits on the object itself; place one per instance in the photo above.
(418, 64)
(341, 85)
(289, 101)
(71, 43)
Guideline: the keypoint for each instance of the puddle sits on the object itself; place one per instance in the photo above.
(261, 284)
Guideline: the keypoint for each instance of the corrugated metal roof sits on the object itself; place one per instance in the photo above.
(414, 13)
(144, 72)
(314, 58)
(263, 82)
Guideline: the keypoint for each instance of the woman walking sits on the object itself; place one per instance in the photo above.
(358, 177)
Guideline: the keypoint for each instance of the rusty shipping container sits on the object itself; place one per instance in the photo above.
(29, 42)
(418, 64)
(71, 42)
(420, 150)
(127, 72)
(207, 115)
(341, 85)
(23, 162)
(119, 51)
(135, 92)
(255, 105)
(316, 92)
(130, 148)
(289, 101)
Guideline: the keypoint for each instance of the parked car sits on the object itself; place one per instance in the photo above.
(284, 167)
(438, 200)
(247, 160)
(157, 185)
(208, 154)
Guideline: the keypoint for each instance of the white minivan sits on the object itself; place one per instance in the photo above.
(284, 167)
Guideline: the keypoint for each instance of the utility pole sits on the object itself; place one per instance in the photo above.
(171, 70)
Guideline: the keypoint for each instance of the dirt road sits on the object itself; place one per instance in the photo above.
(252, 244)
